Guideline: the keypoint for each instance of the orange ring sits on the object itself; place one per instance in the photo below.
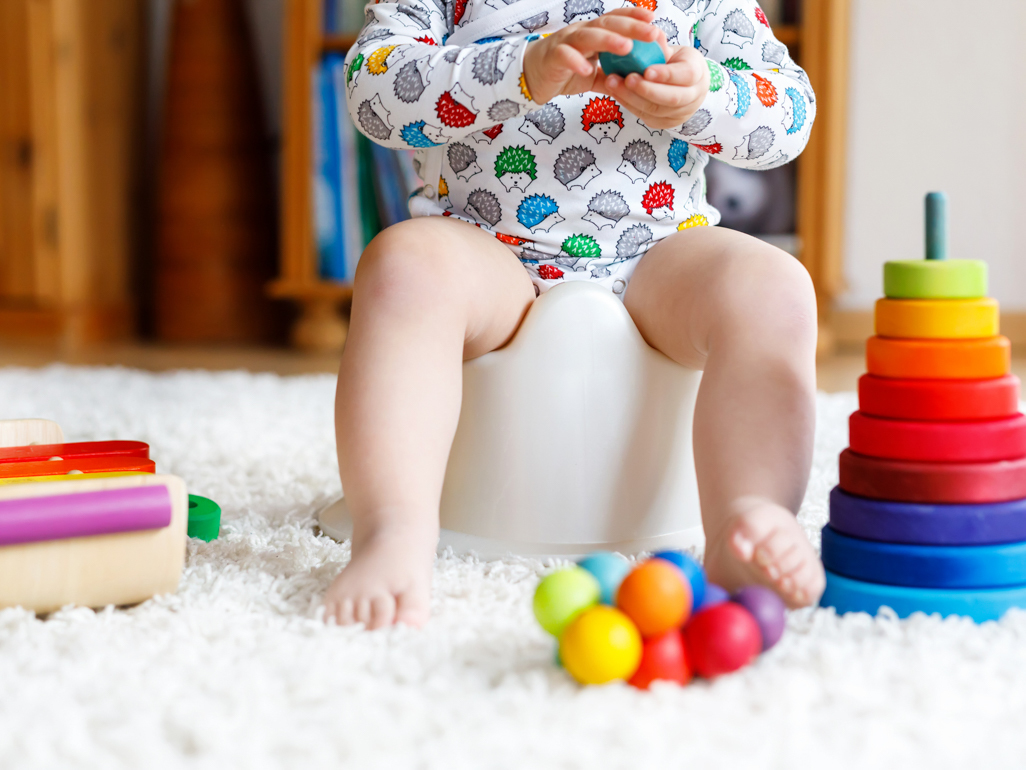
(939, 359)
(946, 319)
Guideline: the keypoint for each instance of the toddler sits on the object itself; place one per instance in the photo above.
(541, 169)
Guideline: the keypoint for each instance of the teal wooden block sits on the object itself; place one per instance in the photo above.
(641, 57)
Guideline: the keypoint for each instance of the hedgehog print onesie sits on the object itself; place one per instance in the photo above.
(579, 187)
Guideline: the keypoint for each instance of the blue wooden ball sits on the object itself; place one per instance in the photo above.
(609, 570)
(642, 56)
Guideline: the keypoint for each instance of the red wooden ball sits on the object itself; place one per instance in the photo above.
(664, 657)
(723, 639)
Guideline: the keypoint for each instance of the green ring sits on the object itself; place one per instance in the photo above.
(935, 279)
(204, 518)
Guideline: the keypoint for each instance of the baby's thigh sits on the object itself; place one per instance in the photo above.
(448, 268)
(710, 285)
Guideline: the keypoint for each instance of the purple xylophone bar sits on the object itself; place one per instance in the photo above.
(56, 517)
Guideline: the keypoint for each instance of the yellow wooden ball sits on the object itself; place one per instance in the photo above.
(600, 645)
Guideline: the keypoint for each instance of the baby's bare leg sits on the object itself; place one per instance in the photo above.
(745, 313)
(429, 293)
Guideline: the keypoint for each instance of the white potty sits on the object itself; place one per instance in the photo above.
(574, 437)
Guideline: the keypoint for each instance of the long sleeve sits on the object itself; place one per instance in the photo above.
(406, 89)
(760, 106)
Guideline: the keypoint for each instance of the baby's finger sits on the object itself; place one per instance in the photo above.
(590, 41)
(661, 95)
(567, 56)
(614, 86)
(633, 11)
(628, 26)
(682, 68)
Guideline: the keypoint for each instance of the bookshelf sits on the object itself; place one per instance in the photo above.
(321, 325)
(819, 44)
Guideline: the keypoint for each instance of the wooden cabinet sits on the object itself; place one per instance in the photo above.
(819, 44)
(70, 109)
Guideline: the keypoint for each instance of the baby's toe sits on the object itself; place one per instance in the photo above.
(346, 612)
(809, 581)
(363, 610)
(330, 612)
(791, 560)
(413, 608)
(772, 551)
(382, 611)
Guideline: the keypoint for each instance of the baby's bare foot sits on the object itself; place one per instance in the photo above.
(763, 543)
(388, 580)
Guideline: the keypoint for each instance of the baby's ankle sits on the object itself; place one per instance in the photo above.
(389, 524)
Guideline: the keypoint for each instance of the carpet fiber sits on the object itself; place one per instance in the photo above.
(236, 671)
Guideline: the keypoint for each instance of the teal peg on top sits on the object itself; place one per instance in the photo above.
(936, 225)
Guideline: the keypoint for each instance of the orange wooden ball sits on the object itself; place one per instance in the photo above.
(656, 596)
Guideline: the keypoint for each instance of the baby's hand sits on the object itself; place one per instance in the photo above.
(566, 62)
(668, 94)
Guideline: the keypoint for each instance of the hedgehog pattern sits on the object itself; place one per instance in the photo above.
(606, 209)
(516, 168)
(738, 29)
(545, 124)
(668, 28)
(570, 206)
(581, 10)
(638, 161)
(575, 167)
(463, 160)
(602, 118)
(483, 205)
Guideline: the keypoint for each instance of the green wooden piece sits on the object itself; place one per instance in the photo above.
(935, 279)
(204, 518)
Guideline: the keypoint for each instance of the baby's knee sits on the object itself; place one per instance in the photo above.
(404, 262)
(772, 294)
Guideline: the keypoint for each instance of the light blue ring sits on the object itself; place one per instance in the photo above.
(846, 595)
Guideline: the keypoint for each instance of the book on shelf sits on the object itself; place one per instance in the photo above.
(359, 187)
(327, 182)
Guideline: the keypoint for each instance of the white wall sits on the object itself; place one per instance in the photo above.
(937, 102)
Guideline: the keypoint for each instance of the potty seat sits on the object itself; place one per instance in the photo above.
(574, 437)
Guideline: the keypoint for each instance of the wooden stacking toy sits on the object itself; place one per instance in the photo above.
(660, 620)
(930, 512)
(89, 523)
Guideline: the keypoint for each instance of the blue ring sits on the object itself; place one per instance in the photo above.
(925, 523)
(925, 566)
(846, 595)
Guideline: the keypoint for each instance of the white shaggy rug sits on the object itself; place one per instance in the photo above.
(236, 671)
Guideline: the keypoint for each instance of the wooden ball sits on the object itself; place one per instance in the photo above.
(656, 596)
(664, 657)
(600, 645)
(562, 595)
(723, 639)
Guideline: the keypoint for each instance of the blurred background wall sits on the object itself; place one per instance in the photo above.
(937, 102)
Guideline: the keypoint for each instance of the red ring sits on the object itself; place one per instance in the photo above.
(917, 482)
(973, 441)
(939, 399)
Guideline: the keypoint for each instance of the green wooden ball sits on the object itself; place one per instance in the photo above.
(562, 595)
